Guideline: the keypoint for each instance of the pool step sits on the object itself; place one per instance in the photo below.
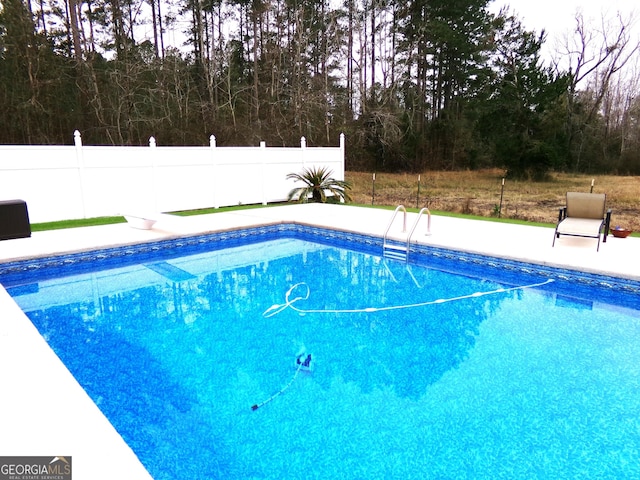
(395, 251)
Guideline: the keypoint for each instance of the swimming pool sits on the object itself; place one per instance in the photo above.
(468, 368)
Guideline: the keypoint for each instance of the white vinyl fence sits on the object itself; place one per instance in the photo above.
(71, 182)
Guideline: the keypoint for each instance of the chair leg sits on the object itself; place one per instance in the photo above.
(607, 225)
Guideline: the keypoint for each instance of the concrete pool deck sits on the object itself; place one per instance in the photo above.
(45, 412)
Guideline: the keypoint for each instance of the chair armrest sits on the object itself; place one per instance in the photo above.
(562, 214)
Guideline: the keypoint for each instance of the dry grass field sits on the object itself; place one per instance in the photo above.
(478, 193)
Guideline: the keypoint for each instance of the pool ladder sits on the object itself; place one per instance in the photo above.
(397, 250)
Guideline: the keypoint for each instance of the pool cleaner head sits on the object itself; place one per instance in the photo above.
(304, 362)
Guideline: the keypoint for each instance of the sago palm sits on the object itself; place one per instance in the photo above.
(318, 184)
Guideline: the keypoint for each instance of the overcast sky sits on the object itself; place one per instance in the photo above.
(557, 17)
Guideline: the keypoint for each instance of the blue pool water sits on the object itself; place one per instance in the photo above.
(468, 370)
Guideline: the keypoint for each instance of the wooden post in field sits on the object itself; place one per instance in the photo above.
(373, 188)
(501, 196)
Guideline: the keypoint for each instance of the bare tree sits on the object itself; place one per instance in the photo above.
(595, 55)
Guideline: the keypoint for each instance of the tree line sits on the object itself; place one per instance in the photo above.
(415, 85)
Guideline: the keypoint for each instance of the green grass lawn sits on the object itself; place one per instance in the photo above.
(85, 222)
(91, 222)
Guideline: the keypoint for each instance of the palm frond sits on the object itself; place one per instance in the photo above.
(318, 182)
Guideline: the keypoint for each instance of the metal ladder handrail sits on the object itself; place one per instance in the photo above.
(415, 225)
(404, 228)
(413, 229)
(388, 248)
(404, 222)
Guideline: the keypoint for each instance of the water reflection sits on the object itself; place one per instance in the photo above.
(199, 302)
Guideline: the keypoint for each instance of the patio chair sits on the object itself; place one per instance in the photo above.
(584, 216)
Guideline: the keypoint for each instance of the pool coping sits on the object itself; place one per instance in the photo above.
(48, 413)
(372, 244)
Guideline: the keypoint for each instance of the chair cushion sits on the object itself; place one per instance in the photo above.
(584, 227)
(586, 205)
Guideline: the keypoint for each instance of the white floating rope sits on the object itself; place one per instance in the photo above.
(302, 292)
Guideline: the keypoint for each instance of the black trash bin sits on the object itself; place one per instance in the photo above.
(14, 219)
